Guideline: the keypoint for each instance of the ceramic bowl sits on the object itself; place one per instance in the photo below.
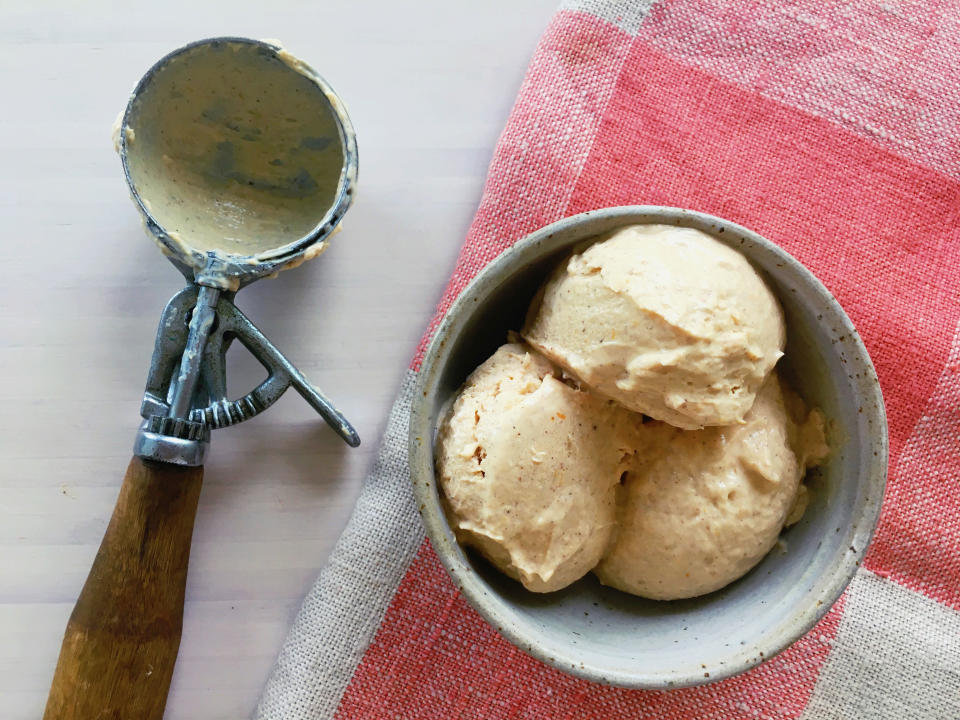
(612, 637)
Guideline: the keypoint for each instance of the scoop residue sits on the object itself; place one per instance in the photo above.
(235, 148)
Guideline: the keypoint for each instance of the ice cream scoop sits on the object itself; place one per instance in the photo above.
(699, 508)
(528, 467)
(242, 161)
(666, 320)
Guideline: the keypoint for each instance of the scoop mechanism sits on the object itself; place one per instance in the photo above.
(242, 162)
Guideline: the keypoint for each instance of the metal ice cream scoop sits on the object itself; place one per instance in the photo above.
(242, 162)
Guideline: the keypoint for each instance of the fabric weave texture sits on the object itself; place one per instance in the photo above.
(833, 129)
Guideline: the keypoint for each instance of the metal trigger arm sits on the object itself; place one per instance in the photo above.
(221, 412)
(185, 398)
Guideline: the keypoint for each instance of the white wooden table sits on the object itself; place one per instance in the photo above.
(429, 85)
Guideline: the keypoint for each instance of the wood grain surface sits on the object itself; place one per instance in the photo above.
(428, 86)
(121, 641)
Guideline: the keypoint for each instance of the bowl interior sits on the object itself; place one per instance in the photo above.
(610, 636)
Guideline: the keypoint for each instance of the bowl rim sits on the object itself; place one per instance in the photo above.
(426, 490)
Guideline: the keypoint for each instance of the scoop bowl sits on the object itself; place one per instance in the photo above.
(234, 148)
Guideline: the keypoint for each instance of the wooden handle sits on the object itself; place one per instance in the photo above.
(122, 639)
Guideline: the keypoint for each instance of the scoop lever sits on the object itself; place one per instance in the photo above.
(191, 361)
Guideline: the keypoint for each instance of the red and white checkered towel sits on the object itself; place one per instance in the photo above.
(833, 129)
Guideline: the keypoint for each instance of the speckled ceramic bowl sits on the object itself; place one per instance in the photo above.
(611, 637)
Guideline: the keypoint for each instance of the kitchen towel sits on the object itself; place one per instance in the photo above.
(831, 128)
